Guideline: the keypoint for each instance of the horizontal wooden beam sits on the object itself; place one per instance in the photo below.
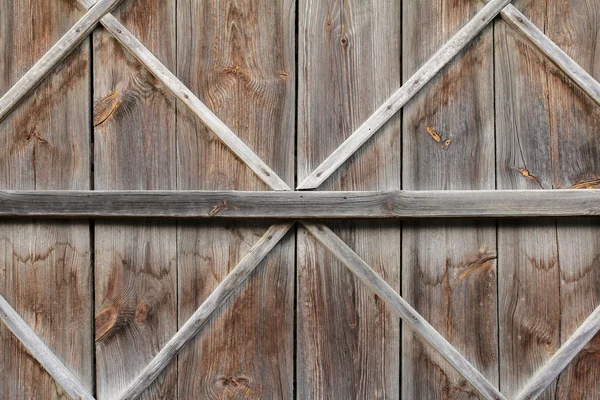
(293, 205)
(300, 205)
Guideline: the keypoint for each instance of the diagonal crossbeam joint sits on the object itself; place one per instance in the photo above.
(408, 314)
(38, 349)
(412, 86)
(56, 54)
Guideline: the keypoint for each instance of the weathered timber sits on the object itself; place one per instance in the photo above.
(42, 353)
(408, 314)
(404, 204)
(134, 149)
(55, 55)
(348, 342)
(238, 57)
(410, 88)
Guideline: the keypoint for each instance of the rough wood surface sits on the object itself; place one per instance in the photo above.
(232, 282)
(239, 58)
(135, 148)
(36, 347)
(449, 267)
(305, 205)
(45, 269)
(63, 47)
(549, 142)
(348, 341)
(408, 314)
(419, 78)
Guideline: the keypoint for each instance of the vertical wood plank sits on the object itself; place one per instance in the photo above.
(449, 267)
(547, 279)
(135, 148)
(238, 57)
(45, 270)
(575, 120)
(349, 63)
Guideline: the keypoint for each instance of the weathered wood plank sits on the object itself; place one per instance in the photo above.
(306, 205)
(36, 347)
(448, 267)
(63, 47)
(550, 141)
(408, 314)
(45, 268)
(407, 91)
(349, 63)
(135, 148)
(565, 355)
(239, 58)
(201, 316)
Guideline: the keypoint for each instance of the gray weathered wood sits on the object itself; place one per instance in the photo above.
(187, 97)
(58, 52)
(45, 268)
(306, 205)
(134, 149)
(411, 87)
(559, 361)
(449, 267)
(239, 58)
(347, 341)
(198, 320)
(566, 64)
(42, 353)
(408, 314)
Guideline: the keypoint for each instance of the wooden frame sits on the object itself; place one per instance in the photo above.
(298, 205)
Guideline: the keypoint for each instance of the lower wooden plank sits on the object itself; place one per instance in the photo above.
(45, 267)
(305, 205)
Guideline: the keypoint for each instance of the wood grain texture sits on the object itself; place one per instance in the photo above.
(45, 269)
(409, 89)
(550, 142)
(135, 148)
(36, 347)
(306, 205)
(348, 341)
(239, 58)
(448, 267)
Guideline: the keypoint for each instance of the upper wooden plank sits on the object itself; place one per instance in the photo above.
(45, 269)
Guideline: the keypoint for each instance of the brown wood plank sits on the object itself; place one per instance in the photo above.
(548, 277)
(448, 267)
(45, 269)
(238, 57)
(135, 148)
(575, 147)
(349, 63)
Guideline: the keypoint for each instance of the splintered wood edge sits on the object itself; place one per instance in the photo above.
(412, 86)
(65, 45)
(402, 204)
(201, 316)
(408, 314)
(42, 353)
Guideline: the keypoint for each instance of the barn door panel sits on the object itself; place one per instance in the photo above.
(348, 340)
(45, 271)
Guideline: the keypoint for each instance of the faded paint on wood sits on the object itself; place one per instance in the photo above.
(45, 266)
(449, 267)
(135, 148)
(238, 57)
(348, 340)
(550, 142)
